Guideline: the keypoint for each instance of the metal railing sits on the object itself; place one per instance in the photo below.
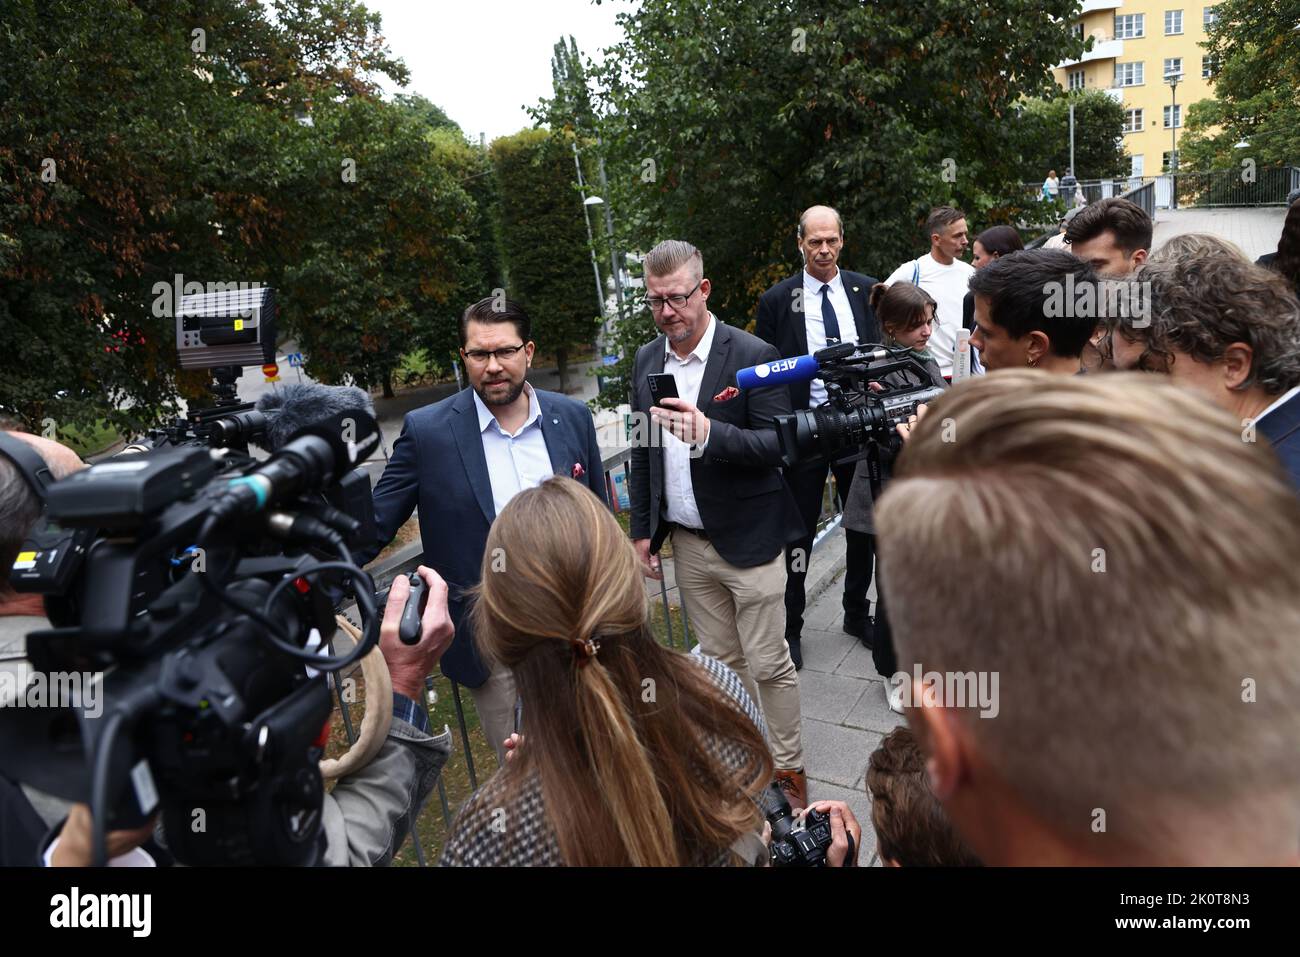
(1247, 186)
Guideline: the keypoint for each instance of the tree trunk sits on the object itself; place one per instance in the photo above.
(388, 383)
(562, 363)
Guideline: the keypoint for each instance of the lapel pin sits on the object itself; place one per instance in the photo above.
(855, 288)
(555, 421)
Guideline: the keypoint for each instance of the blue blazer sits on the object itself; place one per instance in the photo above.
(1282, 428)
(438, 464)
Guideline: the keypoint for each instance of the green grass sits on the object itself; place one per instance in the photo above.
(89, 441)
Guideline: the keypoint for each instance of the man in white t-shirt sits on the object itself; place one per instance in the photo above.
(944, 276)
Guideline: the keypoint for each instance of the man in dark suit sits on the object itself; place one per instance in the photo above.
(705, 473)
(461, 459)
(801, 315)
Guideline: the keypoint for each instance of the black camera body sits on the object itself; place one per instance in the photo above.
(795, 843)
(202, 584)
(854, 415)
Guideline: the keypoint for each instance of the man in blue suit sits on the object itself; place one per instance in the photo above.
(463, 458)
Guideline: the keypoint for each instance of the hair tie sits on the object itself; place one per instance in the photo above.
(585, 650)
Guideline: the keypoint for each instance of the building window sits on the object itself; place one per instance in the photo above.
(1128, 74)
(1173, 22)
(1177, 115)
(1209, 67)
(1075, 79)
(1130, 26)
(1132, 121)
(1209, 16)
(1173, 64)
(1077, 31)
(1164, 159)
(1136, 169)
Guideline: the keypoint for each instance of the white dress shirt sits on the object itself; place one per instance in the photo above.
(514, 461)
(679, 492)
(816, 327)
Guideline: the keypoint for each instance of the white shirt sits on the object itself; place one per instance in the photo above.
(514, 462)
(679, 492)
(816, 327)
(947, 284)
(1281, 400)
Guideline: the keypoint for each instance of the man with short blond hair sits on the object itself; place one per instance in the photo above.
(708, 478)
(1138, 599)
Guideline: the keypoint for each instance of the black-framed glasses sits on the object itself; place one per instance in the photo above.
(481, 356)
(657, 302)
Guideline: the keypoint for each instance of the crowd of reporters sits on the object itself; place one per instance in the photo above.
(1123, 550)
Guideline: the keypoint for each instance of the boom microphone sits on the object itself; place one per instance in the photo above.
(292, 408)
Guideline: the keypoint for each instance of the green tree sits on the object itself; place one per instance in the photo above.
(1042, 135)
(543, 240)
(377, 280)
(722, 119)
(1257, 98)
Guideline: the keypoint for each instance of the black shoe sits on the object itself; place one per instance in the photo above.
(796, 653)
(861, 627)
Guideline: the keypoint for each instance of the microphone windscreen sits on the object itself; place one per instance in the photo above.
(777, 372)
(298, 405)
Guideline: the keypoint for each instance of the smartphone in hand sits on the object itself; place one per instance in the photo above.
(663, 385)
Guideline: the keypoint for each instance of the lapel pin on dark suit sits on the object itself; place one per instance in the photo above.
(578, 470)
(855, 288)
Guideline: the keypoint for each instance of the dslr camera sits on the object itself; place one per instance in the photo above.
(795, 842)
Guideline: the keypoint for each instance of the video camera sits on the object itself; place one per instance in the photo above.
(197, 583)
(854, 415)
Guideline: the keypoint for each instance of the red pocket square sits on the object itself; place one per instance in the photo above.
(727, 394)
(578, 470)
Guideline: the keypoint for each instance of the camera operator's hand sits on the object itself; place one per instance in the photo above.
(74, 847)
(683, 420)
(408, 664)
(649, 563)
(905, 428)
(843, 826)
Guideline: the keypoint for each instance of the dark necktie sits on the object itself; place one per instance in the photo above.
(828, 316)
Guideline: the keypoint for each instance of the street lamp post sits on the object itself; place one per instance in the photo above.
(591, 242)
(1172, 79)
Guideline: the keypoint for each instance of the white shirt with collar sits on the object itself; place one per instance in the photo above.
(679, 492)
(514, 461)
(816, 327)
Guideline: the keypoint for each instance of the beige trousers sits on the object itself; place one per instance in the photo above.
(494, 701)
(738, 615)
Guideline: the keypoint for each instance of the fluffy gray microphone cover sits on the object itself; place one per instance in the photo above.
(295, 406)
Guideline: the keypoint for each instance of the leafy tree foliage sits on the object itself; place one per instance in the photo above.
(723, 119)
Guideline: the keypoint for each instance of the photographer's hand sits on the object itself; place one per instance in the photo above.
(73, 847)
(905, 428)
(843, 826)
(408, 664)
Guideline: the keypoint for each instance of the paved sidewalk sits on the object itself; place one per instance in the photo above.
(1254, 229)
(844, 710)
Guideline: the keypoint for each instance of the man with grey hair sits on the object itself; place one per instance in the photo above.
(818, 306)
(708, 477)
(1138, 603)
(1228, 329)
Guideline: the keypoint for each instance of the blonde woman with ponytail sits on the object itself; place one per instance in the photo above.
(630, 753)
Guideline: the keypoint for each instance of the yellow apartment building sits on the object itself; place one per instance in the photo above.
(1136, 45)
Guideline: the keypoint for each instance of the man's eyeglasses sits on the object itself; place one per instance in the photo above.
(481, 356)
(657, 302)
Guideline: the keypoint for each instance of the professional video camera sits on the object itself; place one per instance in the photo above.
(854, 415)
(796, 843)
(200, 582)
